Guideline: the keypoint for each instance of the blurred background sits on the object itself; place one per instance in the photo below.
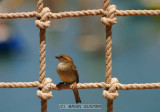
(136, 43)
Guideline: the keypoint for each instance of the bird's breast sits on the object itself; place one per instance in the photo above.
(62, 66)
(65, 72)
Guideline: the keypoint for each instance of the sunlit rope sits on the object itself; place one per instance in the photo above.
(111, 85)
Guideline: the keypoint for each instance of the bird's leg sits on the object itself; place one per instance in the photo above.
(74, 85)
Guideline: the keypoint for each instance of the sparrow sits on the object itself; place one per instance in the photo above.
(68, 73)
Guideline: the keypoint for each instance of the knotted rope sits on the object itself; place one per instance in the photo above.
(109, 16)
(109, 19)
(45, 93)
(45, 84)
(43, 22)
(111, 94)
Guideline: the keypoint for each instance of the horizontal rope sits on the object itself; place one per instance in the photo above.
(101, 12)
(138, 13)
(76, 13)
(138, 86)
(19, 84)
(18, 15)
(80, 13)
(81, 85)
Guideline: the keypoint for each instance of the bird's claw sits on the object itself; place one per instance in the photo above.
(74, 85)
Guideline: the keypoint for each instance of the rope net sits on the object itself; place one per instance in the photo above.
(111, 85)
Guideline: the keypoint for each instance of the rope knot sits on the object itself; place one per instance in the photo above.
(109, 15)
(43, 22)
(45, 92)
(112, 92)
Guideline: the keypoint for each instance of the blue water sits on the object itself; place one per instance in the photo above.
(136, 43)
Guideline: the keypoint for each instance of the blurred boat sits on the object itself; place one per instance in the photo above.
(9, 42)
(91, 43)
(151, 3)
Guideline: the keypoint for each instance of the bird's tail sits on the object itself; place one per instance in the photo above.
(76, 95)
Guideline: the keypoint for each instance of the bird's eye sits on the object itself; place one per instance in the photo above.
(61, 57)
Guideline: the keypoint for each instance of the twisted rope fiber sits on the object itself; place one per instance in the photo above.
(111, 85)
(18, 15)
(101, 12)
(109, 19)
(53, 86)
(95, 12)
(43, 22)
(39, 6)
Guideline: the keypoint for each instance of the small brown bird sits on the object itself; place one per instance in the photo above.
(68, 73)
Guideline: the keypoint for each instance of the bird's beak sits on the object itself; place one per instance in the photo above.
(57, 57)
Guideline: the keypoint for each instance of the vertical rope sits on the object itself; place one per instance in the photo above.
(108, 46)
(42, 56)
(39, 5)
(42, 66)
(109, 63)
(42, 71)
(108, 54)
(110, 106)
(108, 57)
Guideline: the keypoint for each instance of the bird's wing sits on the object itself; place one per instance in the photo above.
(76, 73)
